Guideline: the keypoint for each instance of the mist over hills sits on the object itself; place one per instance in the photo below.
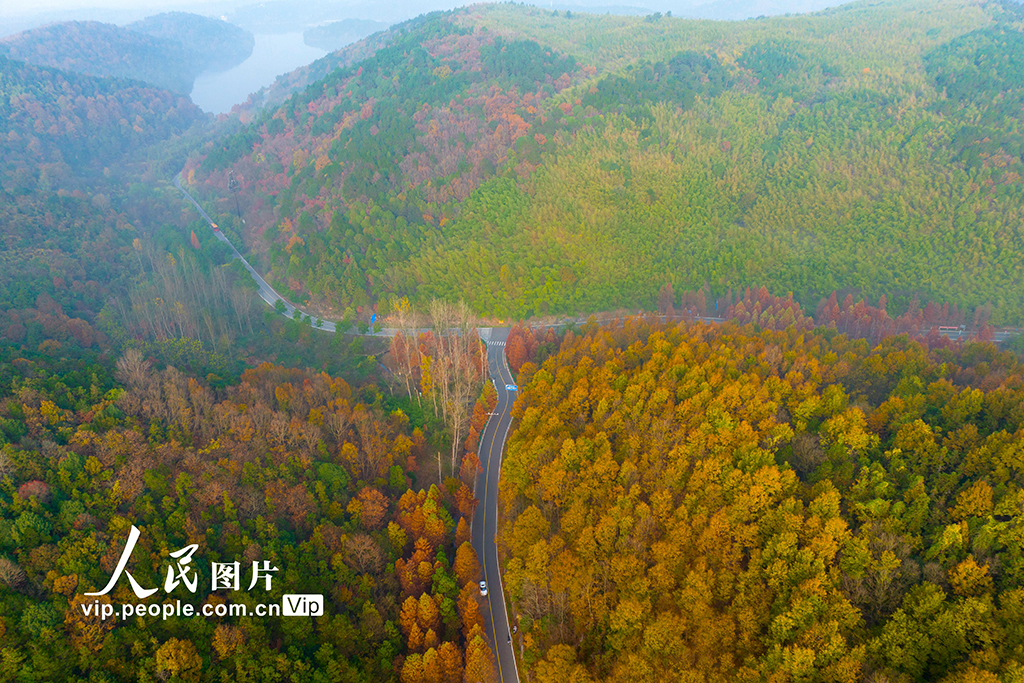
(285, 16)
(214, 44)
(57, 122)
(167, 50)
(734, 10)
(210, 46)
(338, 34)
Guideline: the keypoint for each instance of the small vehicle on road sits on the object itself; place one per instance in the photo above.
(483, 588)
(511, 387)
(214, 226)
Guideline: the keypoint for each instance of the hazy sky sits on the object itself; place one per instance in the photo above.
(19, 15)
(22, 7)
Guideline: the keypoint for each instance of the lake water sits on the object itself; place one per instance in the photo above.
(272, 56)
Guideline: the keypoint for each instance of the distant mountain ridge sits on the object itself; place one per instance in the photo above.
(167, 50)
(217, 45)
(53, 123)
(338, 34)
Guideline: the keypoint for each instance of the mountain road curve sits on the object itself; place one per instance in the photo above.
(266, 292)
(491, 449)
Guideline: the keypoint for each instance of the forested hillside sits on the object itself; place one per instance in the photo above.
(67, 219)
(167, 50)
(54, 121)
(821, 488)
(714, 503)
(538, 162)
(286, 85)
(213, 44)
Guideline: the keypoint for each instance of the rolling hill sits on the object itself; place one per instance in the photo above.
(536, 163)
(68, 143)
(167, 50)
(215, 45)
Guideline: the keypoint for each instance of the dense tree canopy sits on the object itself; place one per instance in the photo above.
(829, 493)
(288, 467)
(711, 503)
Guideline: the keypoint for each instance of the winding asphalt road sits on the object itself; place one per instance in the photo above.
(485, 522)
(492, 445)
(266, 292)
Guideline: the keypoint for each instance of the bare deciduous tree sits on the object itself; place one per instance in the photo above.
(364, 555)
(404, 350)
(132, 369)
(11, 574)
(457, 370)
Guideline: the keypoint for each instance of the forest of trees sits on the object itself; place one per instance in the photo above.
(72, 205)
(823, 487)
(296, 468)
(74, 202)
(54, 122)
(534, 174)
(211, 44)
(712, 503)
(135, 390)
(440, 108)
